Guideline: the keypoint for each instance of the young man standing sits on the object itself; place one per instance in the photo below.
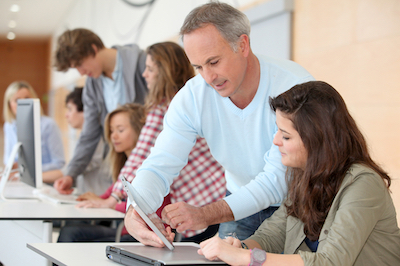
(228, 105)
(114, 77)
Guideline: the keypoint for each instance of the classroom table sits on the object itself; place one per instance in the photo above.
(80, 254)
(30, 221)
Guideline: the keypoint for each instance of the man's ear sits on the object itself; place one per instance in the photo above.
(95, 49)
(244, 45)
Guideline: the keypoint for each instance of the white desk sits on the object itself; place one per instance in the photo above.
(23, 221)
(79, 254)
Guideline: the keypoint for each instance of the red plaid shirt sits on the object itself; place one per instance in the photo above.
(200, 182)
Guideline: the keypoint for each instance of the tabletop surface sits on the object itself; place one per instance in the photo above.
(42, 210)
(37, 209)
(78, 254)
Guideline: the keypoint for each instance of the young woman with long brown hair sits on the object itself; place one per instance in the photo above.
(338, 210)
(202, 180)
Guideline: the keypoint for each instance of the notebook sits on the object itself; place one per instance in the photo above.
(20, 190)
(183, 254)
(49, 193)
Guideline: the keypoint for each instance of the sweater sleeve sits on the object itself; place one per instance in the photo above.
(361, 207)
(53, 145)
(271, 234)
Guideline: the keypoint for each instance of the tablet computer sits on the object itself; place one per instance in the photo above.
(151, 218)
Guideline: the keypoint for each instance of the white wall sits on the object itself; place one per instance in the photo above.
(117, 23)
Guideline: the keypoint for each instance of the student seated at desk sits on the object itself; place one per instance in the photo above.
(52, 145)
(96, 177)
(121, 129)
(338, 210)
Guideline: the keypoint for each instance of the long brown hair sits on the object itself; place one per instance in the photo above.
(174, 69)
(333, 143)
(136, 116)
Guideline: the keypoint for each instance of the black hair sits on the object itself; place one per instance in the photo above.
(76, 98)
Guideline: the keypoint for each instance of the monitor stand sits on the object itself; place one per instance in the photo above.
(7, 171)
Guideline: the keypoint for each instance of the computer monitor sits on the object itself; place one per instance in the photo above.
(29, 135)
(28, 147)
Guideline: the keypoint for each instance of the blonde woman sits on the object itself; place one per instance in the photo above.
(121, 129)
(52, 147)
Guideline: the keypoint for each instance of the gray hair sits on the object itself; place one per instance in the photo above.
(230, 22)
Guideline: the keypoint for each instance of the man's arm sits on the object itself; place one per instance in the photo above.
(89, 138)
(268, 188)
(183, 216)
(92, 129)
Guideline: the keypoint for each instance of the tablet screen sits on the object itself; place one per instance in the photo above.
(142, 208)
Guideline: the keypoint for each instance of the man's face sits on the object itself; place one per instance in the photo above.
(217, 63)
(74, 117)
(90, 66)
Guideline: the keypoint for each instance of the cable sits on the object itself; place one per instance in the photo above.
(12, 171)
(138, 5)
(136, 29)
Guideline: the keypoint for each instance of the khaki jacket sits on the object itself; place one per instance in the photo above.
(360, 229)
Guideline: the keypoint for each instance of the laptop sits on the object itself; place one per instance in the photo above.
(171, 254)
(183, 254)
(49, 193)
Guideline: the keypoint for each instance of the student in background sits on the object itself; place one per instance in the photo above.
(96, 177)
(201, 181)
(52, 145)
(113, 78)
(122, 128)
(339, 210)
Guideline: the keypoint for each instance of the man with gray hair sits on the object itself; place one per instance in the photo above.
(228, 105)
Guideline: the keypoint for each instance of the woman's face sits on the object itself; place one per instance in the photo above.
(150, 74)
(122, 135)
(23, 93)
(292, 149)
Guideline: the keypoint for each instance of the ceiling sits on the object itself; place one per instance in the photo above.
(36, 18)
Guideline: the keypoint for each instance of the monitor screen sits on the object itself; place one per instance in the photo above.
(29, 135)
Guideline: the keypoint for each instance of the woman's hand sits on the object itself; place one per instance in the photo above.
(228, 250)
(98, 203)
(88, 196)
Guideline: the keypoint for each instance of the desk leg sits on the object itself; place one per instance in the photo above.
(14, 235)
(47, 232)
(48, 235)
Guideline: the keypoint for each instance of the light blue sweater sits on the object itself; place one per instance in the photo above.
(239, 139)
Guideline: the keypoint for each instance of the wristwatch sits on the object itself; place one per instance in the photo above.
(115, 196)
(258, 257)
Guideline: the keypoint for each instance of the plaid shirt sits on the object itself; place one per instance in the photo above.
(200, 182)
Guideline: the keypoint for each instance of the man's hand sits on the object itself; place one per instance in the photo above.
(182, 216)
(138, 229)
(64, 185)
